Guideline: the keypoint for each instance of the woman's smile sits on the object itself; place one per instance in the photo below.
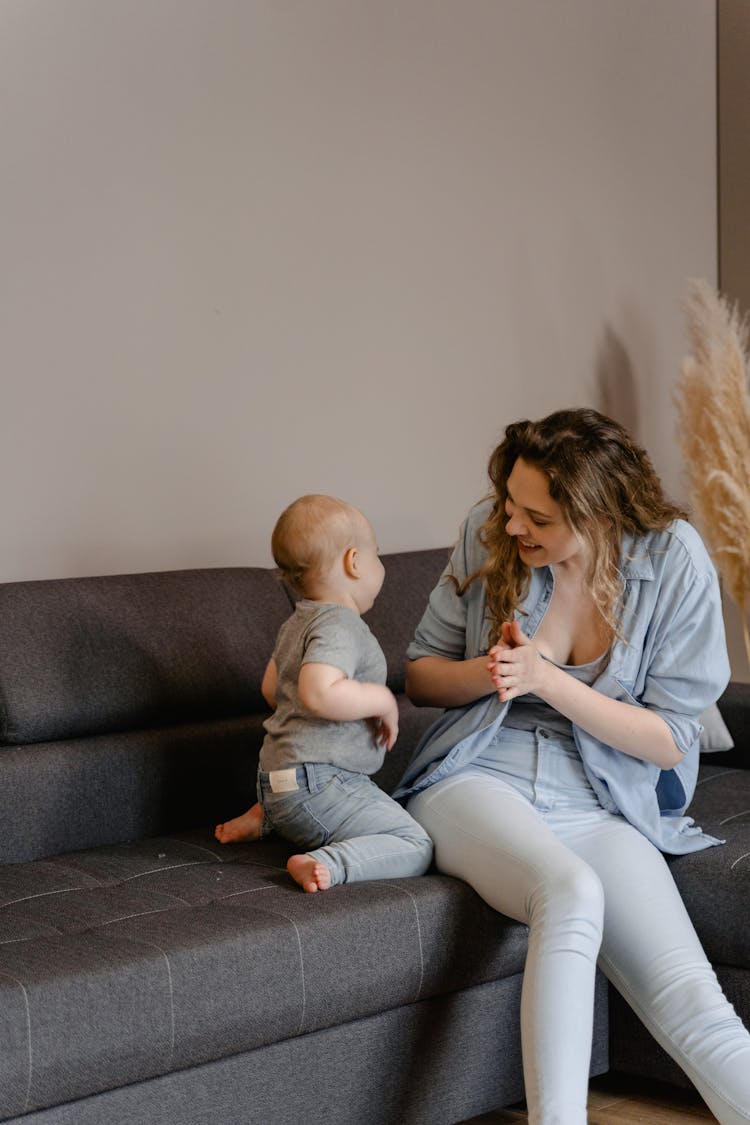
(529, 507)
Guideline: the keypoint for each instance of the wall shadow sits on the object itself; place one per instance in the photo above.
(616, 391)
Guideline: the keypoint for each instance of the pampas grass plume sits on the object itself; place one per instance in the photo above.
(714, 410)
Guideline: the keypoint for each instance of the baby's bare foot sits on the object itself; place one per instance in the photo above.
(309, 873)
(242, 829)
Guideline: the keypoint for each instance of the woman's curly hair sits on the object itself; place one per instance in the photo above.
(606, 487)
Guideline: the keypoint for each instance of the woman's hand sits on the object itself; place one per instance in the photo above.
(515, 664)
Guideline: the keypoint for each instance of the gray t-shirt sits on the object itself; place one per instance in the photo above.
(323, 634)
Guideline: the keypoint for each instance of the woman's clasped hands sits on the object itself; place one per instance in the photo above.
(515, 664)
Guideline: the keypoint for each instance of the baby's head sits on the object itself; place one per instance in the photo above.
(314, 537)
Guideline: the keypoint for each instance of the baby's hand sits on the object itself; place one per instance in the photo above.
(386, 725)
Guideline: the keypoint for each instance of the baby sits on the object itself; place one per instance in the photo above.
(333, 716)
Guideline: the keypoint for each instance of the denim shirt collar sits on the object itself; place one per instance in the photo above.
(635, 564)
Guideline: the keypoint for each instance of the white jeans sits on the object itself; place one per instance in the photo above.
(531, 839)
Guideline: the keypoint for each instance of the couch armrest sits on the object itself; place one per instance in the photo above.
(734, 705)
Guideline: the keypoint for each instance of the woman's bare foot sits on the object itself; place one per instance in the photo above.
(309, 873)
(242, 829)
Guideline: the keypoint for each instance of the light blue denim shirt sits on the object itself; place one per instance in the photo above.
(673, 661)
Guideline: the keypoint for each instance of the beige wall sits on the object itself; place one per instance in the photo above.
(734, 203)
(256, 248)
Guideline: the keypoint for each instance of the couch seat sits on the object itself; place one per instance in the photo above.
(126, 962)
(715, 882)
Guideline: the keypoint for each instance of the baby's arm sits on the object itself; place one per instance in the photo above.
(327, 693)
(268, 684)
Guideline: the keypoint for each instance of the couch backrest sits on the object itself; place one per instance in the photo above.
(87, 656)
(90, 656)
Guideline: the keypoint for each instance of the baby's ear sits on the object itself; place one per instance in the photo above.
(351, 563)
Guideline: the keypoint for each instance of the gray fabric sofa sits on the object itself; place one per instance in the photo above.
(150, 975)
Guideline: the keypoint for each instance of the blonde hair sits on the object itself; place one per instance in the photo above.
(309, 536)
(606, 487)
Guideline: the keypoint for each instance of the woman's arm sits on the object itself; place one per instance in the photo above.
(438, 671)
(435, 681)
(624, 726)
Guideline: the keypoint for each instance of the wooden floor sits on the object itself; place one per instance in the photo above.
(617, 1101)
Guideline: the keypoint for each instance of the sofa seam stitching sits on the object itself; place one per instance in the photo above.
(413, 901)
(22, 986)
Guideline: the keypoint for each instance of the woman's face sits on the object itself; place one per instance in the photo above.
(536, 521)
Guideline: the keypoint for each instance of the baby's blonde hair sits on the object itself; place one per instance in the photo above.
(310, 535)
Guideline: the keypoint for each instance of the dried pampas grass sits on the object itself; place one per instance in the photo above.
(714, 410)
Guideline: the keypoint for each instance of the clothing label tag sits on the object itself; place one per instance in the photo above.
(283, 781)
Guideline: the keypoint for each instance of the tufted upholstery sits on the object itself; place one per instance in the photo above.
(126, 962)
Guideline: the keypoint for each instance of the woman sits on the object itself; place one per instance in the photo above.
(574, 640)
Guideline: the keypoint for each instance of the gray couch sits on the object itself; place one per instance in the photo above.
(150, 976)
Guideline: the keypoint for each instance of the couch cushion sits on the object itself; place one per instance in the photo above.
(123, 963)
(715, 882)
(63, 796)
(715, 737)
(78, 793)
(85, 656)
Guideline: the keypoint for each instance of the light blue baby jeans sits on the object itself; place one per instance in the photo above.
(355, 829)
(524, 828)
